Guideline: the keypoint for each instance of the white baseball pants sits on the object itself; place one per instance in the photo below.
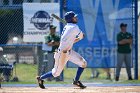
(62, 58)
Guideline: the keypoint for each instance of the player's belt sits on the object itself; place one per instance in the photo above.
(64, 51)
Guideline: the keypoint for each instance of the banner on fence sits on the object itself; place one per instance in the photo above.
(100, 21)
(37, 19)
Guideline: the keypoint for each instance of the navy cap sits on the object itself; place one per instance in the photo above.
(123, 25)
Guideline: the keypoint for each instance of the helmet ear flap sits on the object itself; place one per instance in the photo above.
(69, 16)
(70, 21)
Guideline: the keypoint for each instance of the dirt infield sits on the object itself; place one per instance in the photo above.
(124, 89)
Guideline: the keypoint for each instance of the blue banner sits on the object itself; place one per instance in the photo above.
(100, 21)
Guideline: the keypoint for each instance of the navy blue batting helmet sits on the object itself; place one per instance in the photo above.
(69, 15)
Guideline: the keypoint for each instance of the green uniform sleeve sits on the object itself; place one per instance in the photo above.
(57, 38)
(119, 37)
(47, 39)
(131, 36)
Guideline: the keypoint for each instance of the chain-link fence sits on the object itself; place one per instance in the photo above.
(19, 61)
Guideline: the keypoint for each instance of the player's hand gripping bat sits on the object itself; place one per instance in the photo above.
(59, 19)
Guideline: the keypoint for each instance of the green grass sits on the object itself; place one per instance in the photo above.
(27, 73)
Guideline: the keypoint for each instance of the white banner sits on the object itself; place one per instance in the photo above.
(37, 19)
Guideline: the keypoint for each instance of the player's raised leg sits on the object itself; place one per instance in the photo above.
(60, 61)
(80, 61)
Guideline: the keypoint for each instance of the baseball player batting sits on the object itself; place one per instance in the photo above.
(70, 35)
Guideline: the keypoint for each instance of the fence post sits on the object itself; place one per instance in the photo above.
(40, 59)
(136, 41)
(61, 29)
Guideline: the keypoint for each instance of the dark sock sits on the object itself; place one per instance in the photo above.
(46, 75)
(79, 72)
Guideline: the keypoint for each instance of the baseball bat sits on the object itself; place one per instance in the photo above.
(58, 18)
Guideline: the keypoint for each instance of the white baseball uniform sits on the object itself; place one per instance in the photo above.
(70, 33)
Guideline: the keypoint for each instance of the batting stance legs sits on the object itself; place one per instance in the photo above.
(61, 59)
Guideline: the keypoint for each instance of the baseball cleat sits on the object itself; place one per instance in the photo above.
(79, 84)
(40, 82)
